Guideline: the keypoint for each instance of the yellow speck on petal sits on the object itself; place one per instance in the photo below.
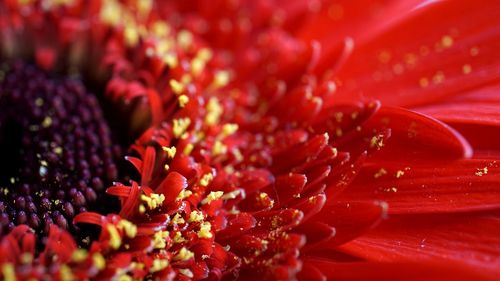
(185, 39)
(380, 173)
(39, 102)
(9, 272)
(447, 41)
(229, 129)
(160, 28)
(79, 255)
(144, 7)
(115, 239)
(154, 200)
(171, 60)
(213, 195)
(377, 142)
(188, 149)
(170, 151)
(159, 239)
(196, 216)
(180, 126)
(184, 194)
(183, 255)
(399, 173)
(98, 261)
(466, 69)
(474, 51)
(481, 172)
(158, 265)
(47, 121)
(186, 272)
(438, 78)
(178, 238)
(205, 229)
(131, 35)
(129, 228)
(176, 86)
(423, 82)
(214, 111)
(142, 209)
(178, 219)
(183, 100)
(66, 274)
(219, 148)
(111, 12)
(221, 79)
(206, 179)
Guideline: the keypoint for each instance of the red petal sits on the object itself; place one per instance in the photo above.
(171, 186)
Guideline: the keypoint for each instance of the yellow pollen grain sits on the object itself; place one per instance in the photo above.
(399, 173)
(39, 102)
(144, 6)
(423, 82)
(186, 272)
(178, 219)
(213, 195)
(154, 200)
(129, 228)
(142, 209)
(438, 78)
(447, 41)
(115, 240)
(161, 28)
(377, 142)
(183, 255)
(229, 129)
(166, 167)
(214, 111)
(111, 12)
(79, 255)
(184, 194)
(196, 216)
(184, 39)
(131, 35)
(9, 272)
(219, 148)
(124, 277)
(159, 239)
(205, 230)
(380, 173)
(206, 179)
(232, 195)
(466, 69)
(481, 172)
(188, 149)
(197, 66)
(180, 126)
(26, 258)
(65, 273)
(172, 61)
(178, 238)
(170, 151)
(98, 261)
(176, 86)
(47, 121)
(183, 100)
(221, 79)
(158, 265)
(474, 51)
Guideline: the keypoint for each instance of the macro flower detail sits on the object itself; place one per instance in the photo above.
(243, 140)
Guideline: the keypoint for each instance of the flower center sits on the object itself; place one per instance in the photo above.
(56, 152)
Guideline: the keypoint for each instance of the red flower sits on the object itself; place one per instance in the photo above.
(302, 140)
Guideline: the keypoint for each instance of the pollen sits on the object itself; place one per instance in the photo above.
(186, 272)
(188, 149)
(170, 151)
(129, 228)
(115, 239)
(183, 100)
(206, 179)
(159, 239)
(380, 173)
(213, 195)
(176, 86)
(229, 129)
(9, 272)
(481, 172)
(183, 255)
(447, 41)
(178, 219)
(153, 200)
(214, 111)
(399, 173)
(158, 265)
(196, 216)
(466, 69)
(185, 39)
(178, 237)
(377, 142)
(221, 79)
(66, 273)
(79, 255)
(184, 194)
(219, 148)
(180, 126)
(205, 229)
(98, 261)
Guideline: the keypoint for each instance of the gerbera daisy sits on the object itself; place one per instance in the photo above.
(263, 140)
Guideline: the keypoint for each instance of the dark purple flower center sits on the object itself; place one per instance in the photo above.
(56, 153)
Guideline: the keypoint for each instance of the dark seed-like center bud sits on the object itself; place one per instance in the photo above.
(55, 147)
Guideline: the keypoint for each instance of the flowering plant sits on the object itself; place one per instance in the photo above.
(279, 140)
